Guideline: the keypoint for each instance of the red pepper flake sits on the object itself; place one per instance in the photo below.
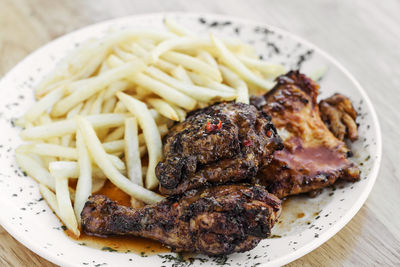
(247, 142)
(175, 205)
(219, 125)
(212, 127)
(269, 133)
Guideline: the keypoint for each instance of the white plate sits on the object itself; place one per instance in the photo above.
(32, 223)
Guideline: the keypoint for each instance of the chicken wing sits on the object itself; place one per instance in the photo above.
(313, 157)
(222, 143)
(215, 221)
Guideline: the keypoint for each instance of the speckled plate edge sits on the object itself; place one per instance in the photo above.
(295, 254)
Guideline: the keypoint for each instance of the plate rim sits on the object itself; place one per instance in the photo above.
(334, 229)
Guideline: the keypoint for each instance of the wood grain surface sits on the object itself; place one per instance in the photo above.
(363, 35)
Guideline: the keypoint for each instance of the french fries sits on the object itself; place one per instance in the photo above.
(151, 135)
(270, 70)
(164, 91)
(94, 85)
(193, 64)
(101, 159)
(109, 103)
(35, 170)
(233, 62)
(233, 80)
(65, 209)
(181, 74)
(197, 92)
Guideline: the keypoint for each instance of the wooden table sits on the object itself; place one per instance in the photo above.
(363, 35)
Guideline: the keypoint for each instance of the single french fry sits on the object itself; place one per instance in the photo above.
(66, 139)
(132, 153)
(181, 74)
(102, 161)
(114, 146)
(109, 104)
(66, 212)
(150, 132)
(165, 65)
(115, 87)
(35, 170)
(84, 185)
(44, 104)
(208, 58)
(97, 184)
(71, 169)
(50, 198)
(116, 134)
(97, 103)
(193, 64)
(163, 108)
(120, 108)
(233, 80)
(51, 150)
(237, 66)
(164, 91)
(70, 153)
(124, 55)
(181, 114)
(176, 28)
(206, 82)
(143, 93)
(87, 105)
(68, 126)
(197, 92)
(270, 70)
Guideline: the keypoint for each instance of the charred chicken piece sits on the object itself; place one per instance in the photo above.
(339, 116)
(222, 143)
(214, 221)
(313, 157)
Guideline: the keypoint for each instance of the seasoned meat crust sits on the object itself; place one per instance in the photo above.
(339, 116)
(313, 157)
(222, 143)
(215, 221)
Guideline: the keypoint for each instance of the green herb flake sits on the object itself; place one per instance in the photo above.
(108, 249)
(275, 236)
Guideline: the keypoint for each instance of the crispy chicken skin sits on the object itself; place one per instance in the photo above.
(339, 116)
(313, 157)
(222, 143)
(214, 221)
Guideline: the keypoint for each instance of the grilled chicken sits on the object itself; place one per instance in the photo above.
(339, 116)
(214, 221)
(313, 157)
(225, 142)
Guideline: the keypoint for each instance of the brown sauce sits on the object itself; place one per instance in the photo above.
(127, 244)
(114, 193)
(312, 159)
(298, 212)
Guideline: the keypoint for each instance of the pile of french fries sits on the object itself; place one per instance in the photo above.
(109, 103)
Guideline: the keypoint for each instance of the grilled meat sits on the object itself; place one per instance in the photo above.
(313, 157)
(215, 221)
(222, 143)
(339, 116)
